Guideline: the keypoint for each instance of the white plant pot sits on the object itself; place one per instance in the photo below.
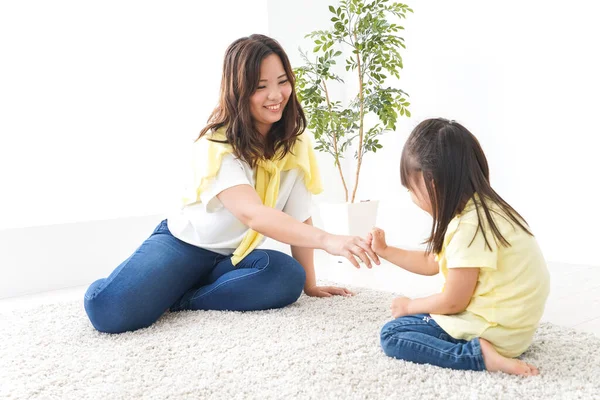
(356, 219)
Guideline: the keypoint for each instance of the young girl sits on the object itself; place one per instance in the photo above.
(496, 281)
(253, 176)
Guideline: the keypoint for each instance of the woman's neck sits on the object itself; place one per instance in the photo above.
(263, 129)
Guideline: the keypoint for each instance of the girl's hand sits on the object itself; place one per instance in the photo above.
(400, 306)
(377, 240)
(327, 291)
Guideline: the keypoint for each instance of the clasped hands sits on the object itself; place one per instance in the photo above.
(367, 249)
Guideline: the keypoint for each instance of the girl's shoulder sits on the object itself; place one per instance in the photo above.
(468, 215)
(475, 219)
(471, 216)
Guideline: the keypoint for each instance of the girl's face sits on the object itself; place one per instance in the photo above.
(418, 193)
(270, 98)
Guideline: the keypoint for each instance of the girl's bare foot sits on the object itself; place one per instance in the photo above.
(496, 362)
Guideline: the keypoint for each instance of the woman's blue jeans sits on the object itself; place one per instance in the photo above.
(418, 338)
(167, 273)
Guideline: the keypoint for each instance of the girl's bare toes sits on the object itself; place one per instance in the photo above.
(534, 370)
(523, 368)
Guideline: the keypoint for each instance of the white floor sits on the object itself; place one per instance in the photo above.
(574, 298)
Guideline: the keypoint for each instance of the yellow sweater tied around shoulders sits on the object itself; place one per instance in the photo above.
(206, 162)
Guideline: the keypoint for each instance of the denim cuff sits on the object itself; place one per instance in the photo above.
(479, 362)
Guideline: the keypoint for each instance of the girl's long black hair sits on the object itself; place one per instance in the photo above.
(455, 170)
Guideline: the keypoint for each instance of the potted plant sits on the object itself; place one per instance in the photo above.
(368, 43)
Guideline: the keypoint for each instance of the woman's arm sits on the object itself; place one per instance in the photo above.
(243, 202)
(457, 294)
(305, 256)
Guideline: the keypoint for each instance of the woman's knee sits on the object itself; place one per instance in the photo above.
(109, 314)
(285, 268)
(287, 275)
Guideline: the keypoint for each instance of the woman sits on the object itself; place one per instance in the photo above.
(253, 176)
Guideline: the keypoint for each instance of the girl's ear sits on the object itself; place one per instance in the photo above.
(428, 179)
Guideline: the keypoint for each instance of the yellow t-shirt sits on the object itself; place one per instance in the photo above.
(513, 283)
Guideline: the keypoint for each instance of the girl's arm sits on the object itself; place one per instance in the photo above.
(458, 291)
(243, 202)
(417, 262)
(305, 256)
(459, 288)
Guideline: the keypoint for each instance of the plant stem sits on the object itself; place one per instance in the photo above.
(361, 119)
(335, 145)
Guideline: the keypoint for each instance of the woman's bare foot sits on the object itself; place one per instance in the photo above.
(496, 362)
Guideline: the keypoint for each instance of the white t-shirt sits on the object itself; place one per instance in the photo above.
(209, 225)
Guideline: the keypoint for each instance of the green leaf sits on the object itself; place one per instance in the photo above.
(375, 24)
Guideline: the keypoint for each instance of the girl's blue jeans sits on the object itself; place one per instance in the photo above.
(167, 273)
(418, 338)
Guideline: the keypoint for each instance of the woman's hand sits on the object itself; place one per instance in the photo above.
(327, 291)
(400, 306)
(350, 247)
(376, 239)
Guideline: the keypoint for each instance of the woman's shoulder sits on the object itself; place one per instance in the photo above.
(216, 136)
(305, 139)
(305, 161)
(211, 143)
(209, 155)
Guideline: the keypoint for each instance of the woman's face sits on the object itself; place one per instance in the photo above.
(271, 96)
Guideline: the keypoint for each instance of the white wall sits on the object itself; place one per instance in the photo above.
(99, 102)
(99, 99)
(40, 258)
(523, 77)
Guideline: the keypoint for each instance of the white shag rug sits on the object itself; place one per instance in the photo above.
(313, 349)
